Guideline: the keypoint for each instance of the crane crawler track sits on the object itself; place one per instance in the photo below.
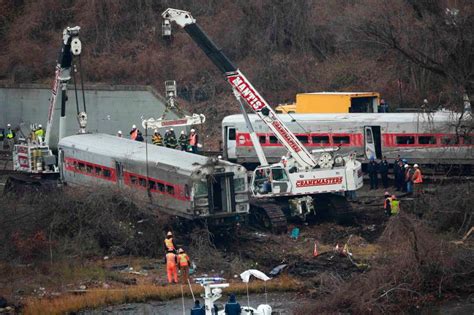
(269, 215)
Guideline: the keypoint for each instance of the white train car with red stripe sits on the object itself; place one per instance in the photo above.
(424, 138)
(187, 185)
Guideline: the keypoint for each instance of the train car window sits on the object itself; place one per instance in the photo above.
(405, 140)
(133, 179)
(200, 189)
(152, 184)
(82, 166)
(161, 187)
(239, 184)
(303, 139)
(170, 189)
(341, 139)
(98, 171)
(467, 139)
(262, 139)
(89, 169)
(107, 173)
(320, 139)
(427, 140)
(369, 137)
(232, 134)
(273, 139)
(142, 182)
(449, 140)
(186, 191)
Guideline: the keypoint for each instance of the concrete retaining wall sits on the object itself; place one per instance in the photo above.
(109, 108)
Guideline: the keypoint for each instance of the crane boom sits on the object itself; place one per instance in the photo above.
(241, 84)
(71, 46)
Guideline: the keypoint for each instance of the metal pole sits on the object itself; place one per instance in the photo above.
(191, 289)
(182, 299)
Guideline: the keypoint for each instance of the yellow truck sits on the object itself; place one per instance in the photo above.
(333, 102)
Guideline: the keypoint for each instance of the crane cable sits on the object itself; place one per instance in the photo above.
(74, 70)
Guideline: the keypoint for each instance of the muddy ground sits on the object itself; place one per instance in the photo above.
(226, 255)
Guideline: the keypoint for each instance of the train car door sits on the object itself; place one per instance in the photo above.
(221, 193)
(372, 142)
(230, 143)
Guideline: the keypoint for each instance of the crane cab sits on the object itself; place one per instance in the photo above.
(270, 179)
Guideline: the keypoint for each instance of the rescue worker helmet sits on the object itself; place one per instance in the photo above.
(182, 132)
(156, 130)
(8, 125)
(169, 234)
(119, 132)
(180, 250)
(40, 126)
(406, 165)
(386, 194)
(134, 126)
(416, 165)
(171, 129)
(192, 130)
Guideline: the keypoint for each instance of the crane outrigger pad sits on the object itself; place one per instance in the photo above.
(194, 119)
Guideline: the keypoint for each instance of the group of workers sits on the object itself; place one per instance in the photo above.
(232, 307)
(8, 136)
(391, 204)
(178, 259)
(407, 178)
(184, 142)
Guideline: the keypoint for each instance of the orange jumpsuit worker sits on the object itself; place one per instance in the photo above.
(171, 268)
(183, 264)
(169, 244)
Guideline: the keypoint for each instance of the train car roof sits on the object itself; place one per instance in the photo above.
(440, 116)
(122, 148)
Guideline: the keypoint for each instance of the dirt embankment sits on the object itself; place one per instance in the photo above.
(59, 245)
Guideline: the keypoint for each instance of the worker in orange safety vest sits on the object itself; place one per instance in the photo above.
(193, 141)
(417, 180)
(134, 133)
(171, 268)
(183, 264)
(169, 244)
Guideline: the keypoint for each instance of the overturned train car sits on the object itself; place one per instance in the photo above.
(187, 185)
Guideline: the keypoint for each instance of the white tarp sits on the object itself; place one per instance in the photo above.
(253, 272)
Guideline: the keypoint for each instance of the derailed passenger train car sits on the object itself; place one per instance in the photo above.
(187, 185)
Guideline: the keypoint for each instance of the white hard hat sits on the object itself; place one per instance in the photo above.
(283, 157)
(219, 157)
(119, 132)
(8, 125)
(416, 165)
(182, 132)
(406, 165)
(167, 130)
(169, 233)
(134, 127)
(171, 129)
(192, 130)
(156, 130)
(40, 126)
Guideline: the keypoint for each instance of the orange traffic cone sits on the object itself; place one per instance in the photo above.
(315, 250)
